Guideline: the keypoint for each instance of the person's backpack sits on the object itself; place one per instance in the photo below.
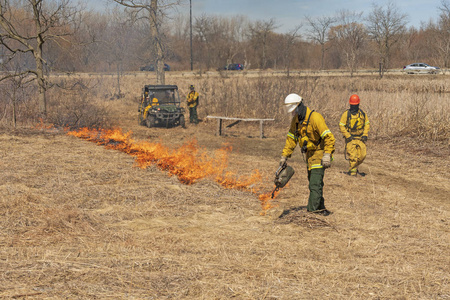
(361, 118)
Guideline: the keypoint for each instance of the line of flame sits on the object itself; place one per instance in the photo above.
(188, 162)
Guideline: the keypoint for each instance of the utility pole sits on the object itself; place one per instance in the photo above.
(190, 21)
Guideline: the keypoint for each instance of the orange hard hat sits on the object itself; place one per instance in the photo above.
(354, 99)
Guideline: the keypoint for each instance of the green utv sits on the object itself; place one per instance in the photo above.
(160, 106)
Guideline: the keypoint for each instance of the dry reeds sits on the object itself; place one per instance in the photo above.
(398, 106)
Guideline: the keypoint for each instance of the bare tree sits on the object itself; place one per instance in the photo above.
(289, 40)
(211, 37)
(442, 40)
(236, 30)
(179, 41)
(204, 36)
(349, 36)
(12, 87)
(17, 85)
(260, 33)
(25, 27)
(117, 45)
(386, 27)
(91, 36)
(153, 12)
(218, 39)
(318, 32)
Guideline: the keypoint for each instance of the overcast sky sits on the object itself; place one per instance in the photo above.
(289, 13)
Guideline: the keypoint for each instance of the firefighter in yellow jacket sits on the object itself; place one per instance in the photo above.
(309, 130)
(192, 102)
(154, 102)
(355, 125)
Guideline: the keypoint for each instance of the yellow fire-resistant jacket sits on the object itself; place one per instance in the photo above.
(318, 138)
(154, 103)
(192, 99)
(357, 125)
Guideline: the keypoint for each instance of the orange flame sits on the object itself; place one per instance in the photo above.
(41, 125)
(266, 201)
(189, 162)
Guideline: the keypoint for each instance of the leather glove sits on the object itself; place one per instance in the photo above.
(364, 138)
(326, 160)
(349, 139)
(283, 160)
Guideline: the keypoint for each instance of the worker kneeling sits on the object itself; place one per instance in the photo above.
(154, 102)
(308, 128)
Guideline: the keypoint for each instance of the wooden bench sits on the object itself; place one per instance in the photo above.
(236, 121)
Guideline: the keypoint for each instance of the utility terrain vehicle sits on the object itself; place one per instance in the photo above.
(160, 106)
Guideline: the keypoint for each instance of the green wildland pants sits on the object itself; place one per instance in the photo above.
(316, 201)
(193, 118)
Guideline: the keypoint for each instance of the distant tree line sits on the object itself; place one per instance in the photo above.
(122, 39)
(39, 37)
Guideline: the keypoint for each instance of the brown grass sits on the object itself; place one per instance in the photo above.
(80, 221)
(398, 105)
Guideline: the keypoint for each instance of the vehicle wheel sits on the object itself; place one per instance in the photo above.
(151, 121)
(182, 121)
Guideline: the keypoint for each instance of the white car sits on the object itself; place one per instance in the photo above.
(420, 68)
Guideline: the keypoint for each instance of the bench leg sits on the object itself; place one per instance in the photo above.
(219, 127)
(261, 128)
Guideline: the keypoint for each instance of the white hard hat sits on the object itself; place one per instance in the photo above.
(291, 102)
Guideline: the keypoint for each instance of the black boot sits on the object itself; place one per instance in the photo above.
(323, 212)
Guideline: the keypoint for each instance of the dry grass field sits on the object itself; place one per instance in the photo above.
(113, 217)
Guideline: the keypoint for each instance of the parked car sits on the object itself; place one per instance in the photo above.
(236, 67)
(420, 68)
(151, 68)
